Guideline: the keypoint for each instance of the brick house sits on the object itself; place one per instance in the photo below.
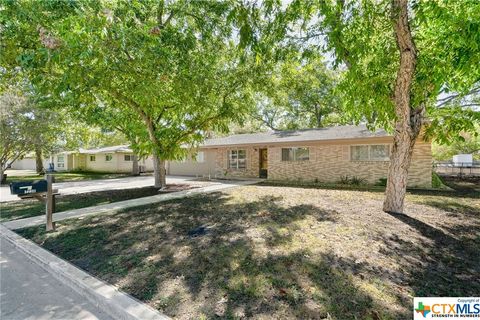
(323, 155)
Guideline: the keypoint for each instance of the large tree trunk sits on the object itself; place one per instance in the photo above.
(135, 167)
(39, 161)
(400, 159)
(159, 172)
(407, 126)
(1, 174)
(158, 163)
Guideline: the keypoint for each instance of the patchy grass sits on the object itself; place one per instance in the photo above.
(463, 184)
(280, 252)
(69, 176)
(13, 210)
(343, 184)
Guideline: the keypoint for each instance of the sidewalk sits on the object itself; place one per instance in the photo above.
(29, 292)
(120, 205)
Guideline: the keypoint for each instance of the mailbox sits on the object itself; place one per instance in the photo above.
(27, 187)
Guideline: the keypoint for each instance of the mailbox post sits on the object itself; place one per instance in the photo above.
(49, 203)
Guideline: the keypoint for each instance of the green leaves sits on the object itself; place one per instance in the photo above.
(454, 121)
(161, 73)
(447, 37)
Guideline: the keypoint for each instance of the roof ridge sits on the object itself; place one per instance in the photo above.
(288, 131)
(301, 135)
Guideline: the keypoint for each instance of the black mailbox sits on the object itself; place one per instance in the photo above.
(27, 187)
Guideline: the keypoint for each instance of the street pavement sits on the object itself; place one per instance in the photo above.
(28, 292)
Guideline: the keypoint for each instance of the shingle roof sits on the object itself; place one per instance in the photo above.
(330, 133)
(112, 149)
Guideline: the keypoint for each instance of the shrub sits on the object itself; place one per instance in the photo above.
(382, 182)
(344, 180)
(354, 181)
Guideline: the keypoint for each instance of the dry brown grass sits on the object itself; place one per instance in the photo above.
(278, 252)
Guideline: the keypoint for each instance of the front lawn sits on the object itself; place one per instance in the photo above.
(67, 176)
(269, 252)
(20, 209)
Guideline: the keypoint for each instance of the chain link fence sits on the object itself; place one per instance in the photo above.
(450, 168)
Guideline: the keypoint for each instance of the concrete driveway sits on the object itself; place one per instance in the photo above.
(106, 184)
(20, 172)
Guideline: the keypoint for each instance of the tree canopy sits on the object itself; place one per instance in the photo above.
(28, 125)
(398, 58)
(469, 144)
(301, 93)
(163, 73)
(166, 73)
(14, 125)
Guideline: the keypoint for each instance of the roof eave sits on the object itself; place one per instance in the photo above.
(292, 142)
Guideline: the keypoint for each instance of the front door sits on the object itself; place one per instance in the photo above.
(263, 163)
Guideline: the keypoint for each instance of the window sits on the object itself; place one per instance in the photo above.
(60, 161)
(108, 157)
(92, 158)
(237, 159)
(374, 152)
(295, 154)
(128, 157)
(200, 156)
(359, 153)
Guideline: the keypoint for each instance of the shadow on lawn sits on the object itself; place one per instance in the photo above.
(456, 190)
(232, 271)
(441, 265)
(454, 208)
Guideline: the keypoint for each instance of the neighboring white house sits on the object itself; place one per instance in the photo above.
(108, 159)
(118, 159)
(61, 161)
(27, 162)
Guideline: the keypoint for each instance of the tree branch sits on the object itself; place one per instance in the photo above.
(167, 21)
(128, 54)
(448, 99)
(307, 37)
(406, 120)
(159, 117)
(161, 5)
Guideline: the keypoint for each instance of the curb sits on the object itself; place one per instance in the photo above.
(109, 299)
